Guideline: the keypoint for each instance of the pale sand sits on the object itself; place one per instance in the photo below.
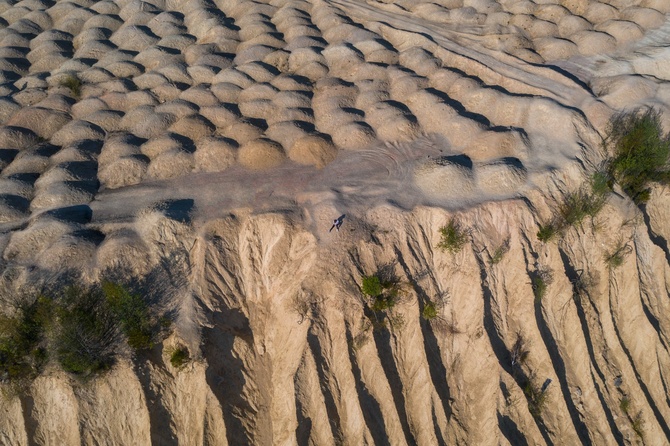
(375, 98)
(306, 108)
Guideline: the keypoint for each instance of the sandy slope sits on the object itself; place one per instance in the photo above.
(224, 136)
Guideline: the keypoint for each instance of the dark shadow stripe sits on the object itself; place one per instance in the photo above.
(321, 369)
(374, 419)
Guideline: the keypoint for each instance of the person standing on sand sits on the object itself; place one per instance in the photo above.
(337, 223)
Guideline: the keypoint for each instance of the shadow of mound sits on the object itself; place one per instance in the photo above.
(179, 210)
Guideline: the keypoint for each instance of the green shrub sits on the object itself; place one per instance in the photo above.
(384, 289)
(547, 232)
(88, 332)
(640, 152)
(372, 286)
(624, 405)
(132, 313)
(453, 237)
(73, 84)
(577, 206)
(179, 357)
(22, 340)
(429, 311)
(600, 183)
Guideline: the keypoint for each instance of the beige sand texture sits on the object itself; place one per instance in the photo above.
(215, 141)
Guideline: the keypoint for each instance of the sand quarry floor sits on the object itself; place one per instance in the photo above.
(109, 108)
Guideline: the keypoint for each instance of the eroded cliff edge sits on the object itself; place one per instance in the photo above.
(285, 351)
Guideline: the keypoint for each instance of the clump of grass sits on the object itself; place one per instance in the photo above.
(372, 286)
(429, 311)
(600, 183)
(585, 283)
(519, 353)
(624, 404)
(637, 424)
(73, 83)
(640, 152)
(453, 237)
(579, 205)
(179, 357)
(616, 258)
(540, 281)
(499, 253)
(588, 201)
(547, 232)
(537, 398)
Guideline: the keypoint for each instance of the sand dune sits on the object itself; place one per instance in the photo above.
(229, 134)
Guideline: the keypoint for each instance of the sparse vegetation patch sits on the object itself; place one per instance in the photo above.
(637, 424)
(133, 314)
(179, 357)
(519, 352)
(540, 280)
(453, 237)
(429, 311)
(383, 290)
(547, 232)
(588, 201)
(640, 151)
(82, 328)
(616, 258)
(73, 83)
(536, 396)
(499, 253)
(23, 340)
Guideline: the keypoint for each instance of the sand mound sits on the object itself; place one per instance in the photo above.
(77, 130)
(15, 137)
(171, 163)
(353, 135)
(7, 108)
(123, 171)
(155, 146)
(43, 122)
(261, 153)
(59, 194)
(446, 178)
(31, 161)
(193, 127)
(243, 131)
(501, 177)
(13, 207)
(214, 154)
(316, 150)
